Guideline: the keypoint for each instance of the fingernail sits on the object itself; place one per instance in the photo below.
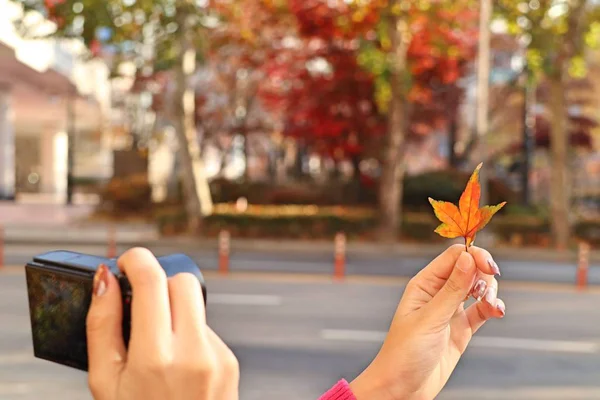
(479, 289)
(494, 266)
(464, 262)
(101, 280)
(501, 307)
(490, 296)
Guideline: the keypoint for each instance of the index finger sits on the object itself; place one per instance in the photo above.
(150, 305)
(438, 271)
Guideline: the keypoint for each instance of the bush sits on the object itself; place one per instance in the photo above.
(447, 185)
(311, 222)
(297, 195)
(225, 191)
(131, 195)
(588, 230)
(440, 185)
(271, 226)
(521, 229)
(91, 185)
(299, 222)
(88, 181)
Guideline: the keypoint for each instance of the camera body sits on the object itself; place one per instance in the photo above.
(59, 287)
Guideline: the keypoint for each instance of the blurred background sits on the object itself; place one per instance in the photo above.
(271, 126)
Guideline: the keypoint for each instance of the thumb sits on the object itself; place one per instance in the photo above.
(106, 348)
(444, 304)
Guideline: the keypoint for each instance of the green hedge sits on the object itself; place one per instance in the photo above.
(448, 185)
(589, 230)
(440, 185)
(525, 230)
(415, 226)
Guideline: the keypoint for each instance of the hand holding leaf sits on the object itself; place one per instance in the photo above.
(466, 219)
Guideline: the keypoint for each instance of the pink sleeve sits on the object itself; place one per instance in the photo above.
(341, 391)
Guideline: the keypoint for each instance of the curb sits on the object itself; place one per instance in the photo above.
(321, 248)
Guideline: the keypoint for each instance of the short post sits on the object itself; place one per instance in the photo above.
(339, 268)
(583, 265)
(224, 239)
(111, 250)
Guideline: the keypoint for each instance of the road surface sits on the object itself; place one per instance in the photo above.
(317, 262)
(295, 337)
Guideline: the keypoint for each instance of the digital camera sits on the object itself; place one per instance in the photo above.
(59, 286)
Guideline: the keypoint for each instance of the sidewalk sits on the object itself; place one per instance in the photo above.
(61, 225)
(354, 249)
(147, 236)
(34, 214)
(80, 234)
(57, 223)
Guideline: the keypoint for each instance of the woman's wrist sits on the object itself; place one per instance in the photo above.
(369, 386)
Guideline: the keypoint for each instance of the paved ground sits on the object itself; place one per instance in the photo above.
(42, 214)
(322, 263)
(29, 222)
(296, 337)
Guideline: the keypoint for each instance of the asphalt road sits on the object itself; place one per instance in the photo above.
(294, 338)
(316, 262)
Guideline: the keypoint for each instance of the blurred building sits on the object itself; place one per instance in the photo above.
(48, 96)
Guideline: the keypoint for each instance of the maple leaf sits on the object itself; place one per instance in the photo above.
(466, 219)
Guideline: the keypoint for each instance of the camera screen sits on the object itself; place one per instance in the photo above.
(58, 305)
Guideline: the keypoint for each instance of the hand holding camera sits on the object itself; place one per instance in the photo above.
(170, 353)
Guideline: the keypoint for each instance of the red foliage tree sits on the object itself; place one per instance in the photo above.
(330, 107)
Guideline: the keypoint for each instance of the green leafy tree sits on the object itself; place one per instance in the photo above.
(414, 46)
(556, 35)
(153, 35)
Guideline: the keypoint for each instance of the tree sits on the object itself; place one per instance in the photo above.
(151, 35)
(243, 37)
(328, 106)
(414, 52)
(556, 35)
(251, 34)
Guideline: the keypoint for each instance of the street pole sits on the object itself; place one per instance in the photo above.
(483, 74)
(528, 127)
(70, 146)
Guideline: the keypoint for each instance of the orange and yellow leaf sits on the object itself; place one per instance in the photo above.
(467, 219)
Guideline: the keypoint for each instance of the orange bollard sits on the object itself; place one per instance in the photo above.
(339, 267)
(583, 265)
(111, 251)
(224, 239)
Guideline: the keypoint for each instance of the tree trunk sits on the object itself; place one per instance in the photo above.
(528, 137)
(390, 190)
(559, 148)
(298, 170)
(197, 193)
(222, 163)
(246, 157)
(559, 136)
(482, 106)
(452, 136)
(356, 181)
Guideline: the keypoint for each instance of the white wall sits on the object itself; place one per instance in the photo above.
(91, 77)
(7, 146)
